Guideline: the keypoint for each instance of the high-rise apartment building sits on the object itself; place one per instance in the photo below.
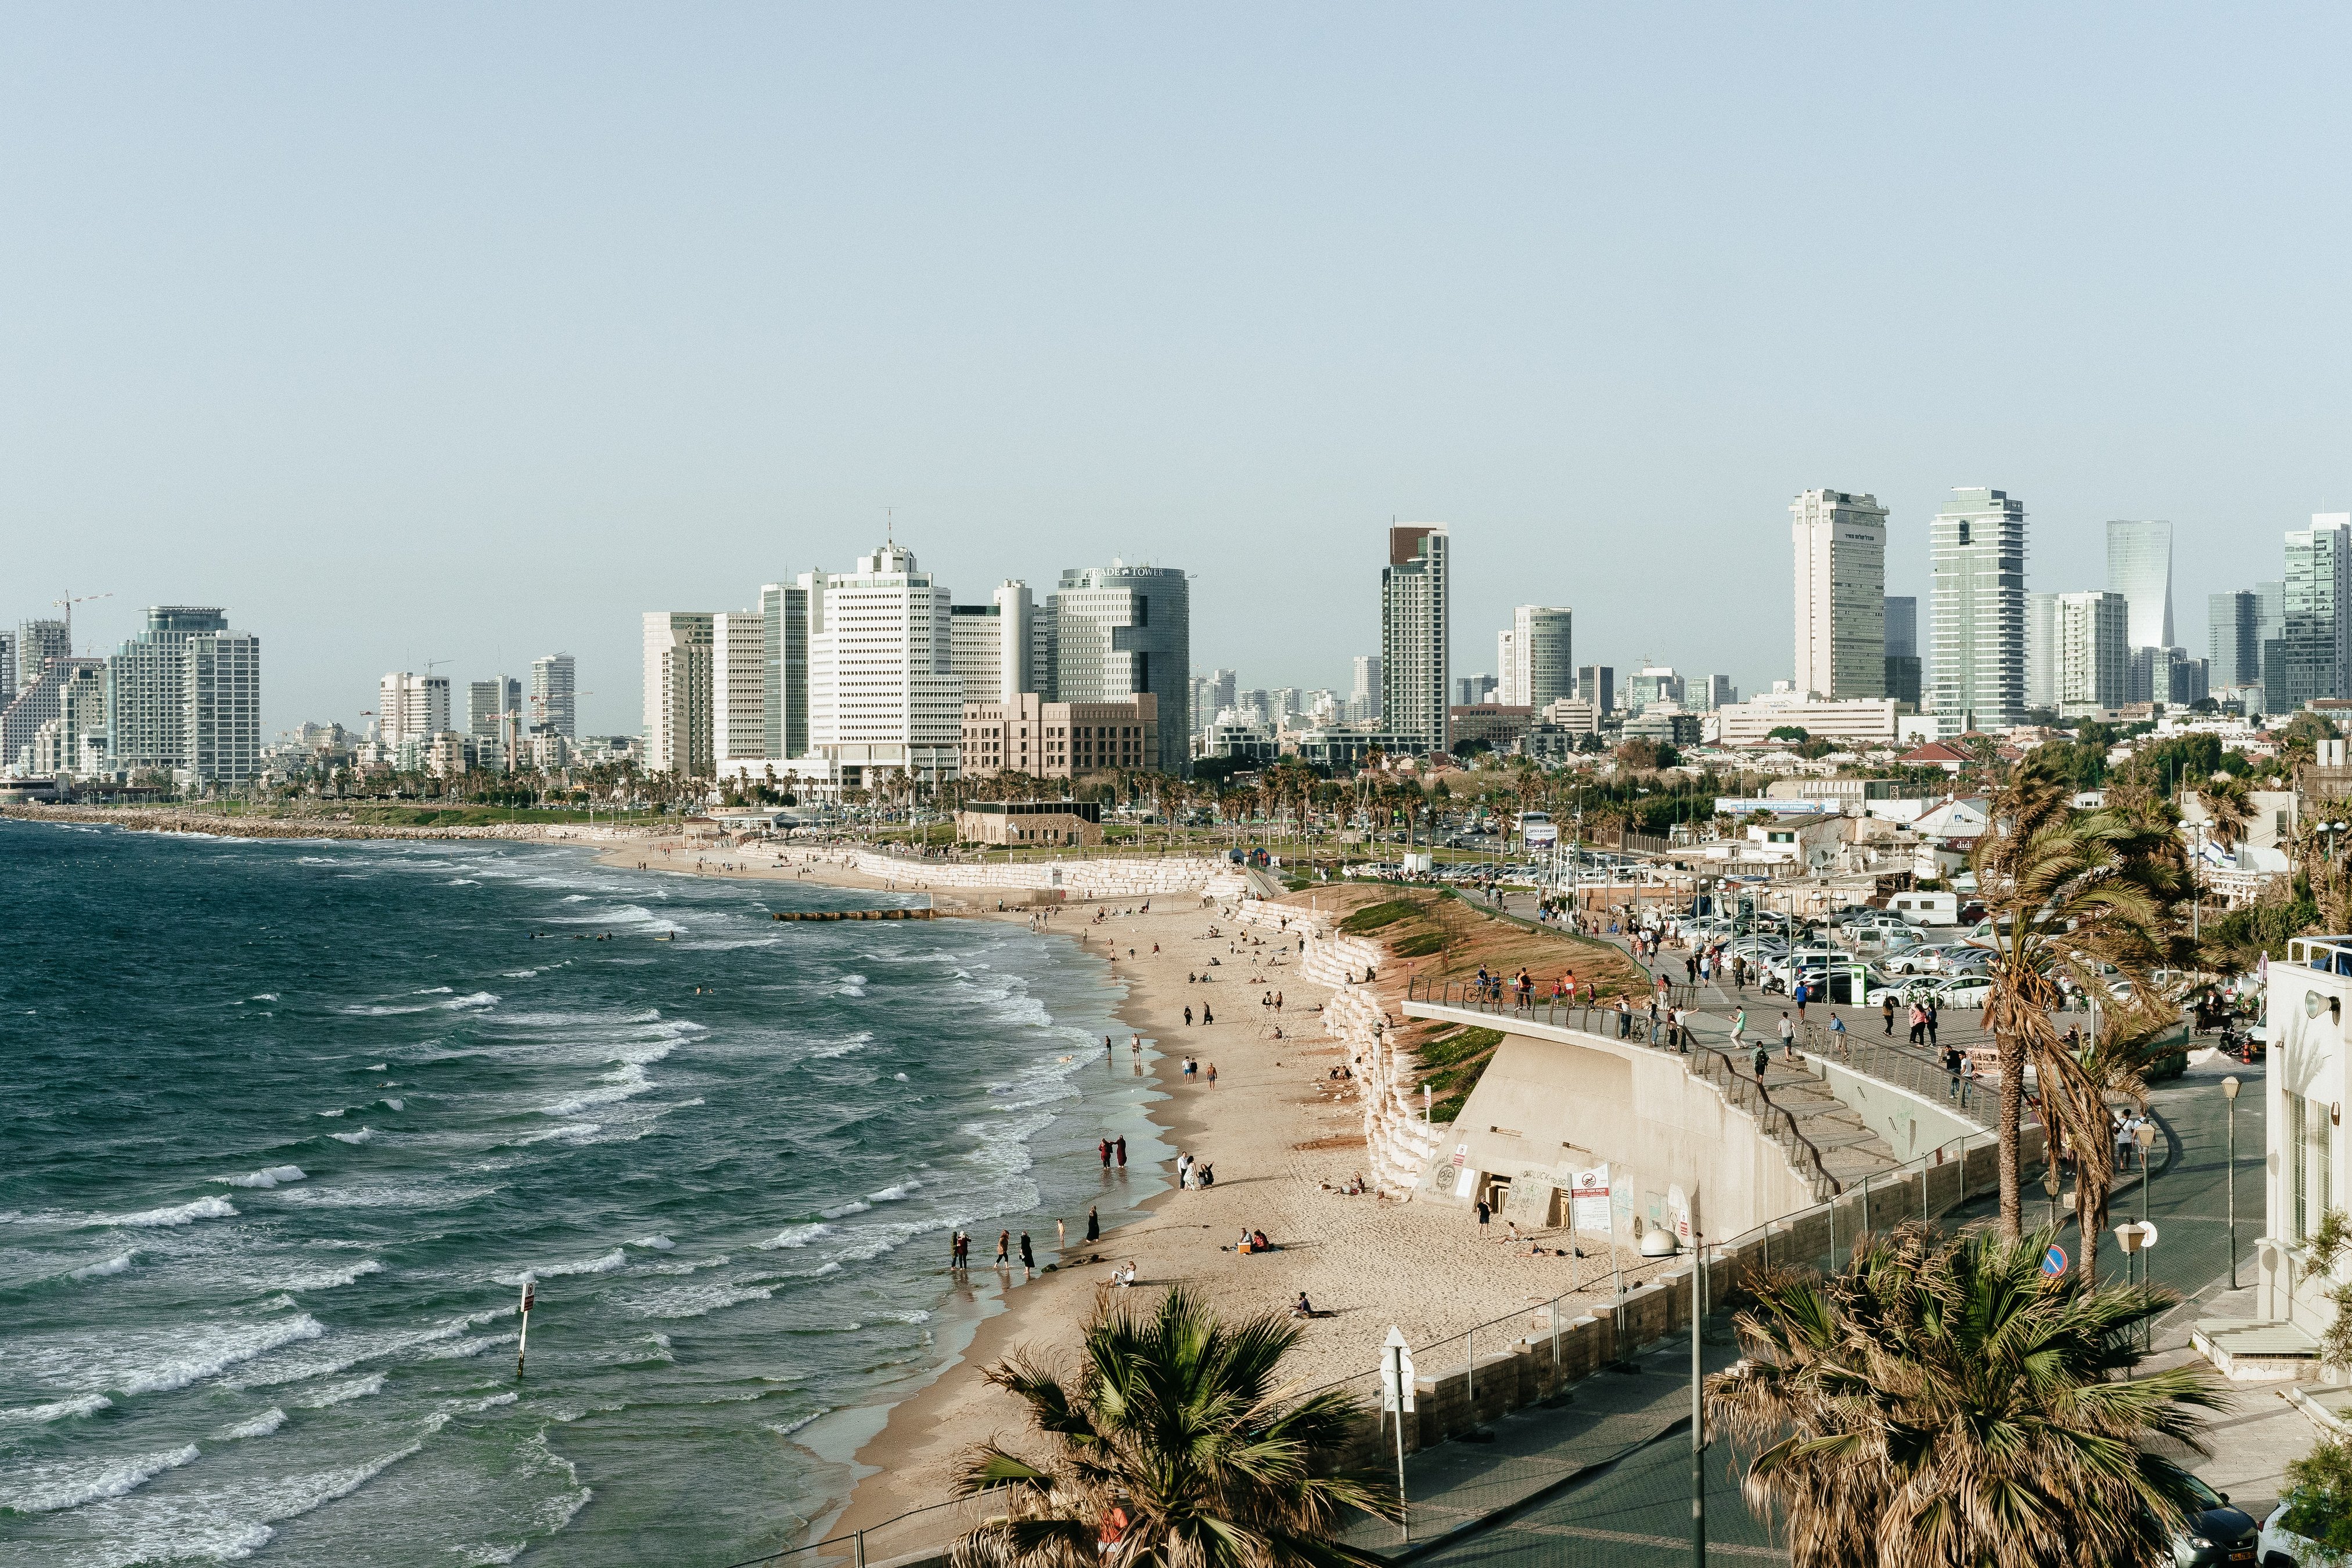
(554, 683)
(1905, 672)
(2139, 567)
(678, 693)
(1415, 635)
(8, 667)
(39, 706)
(1596, 687)
(184, 695)
(784, 685)
(37, 642)
(738, 686)
(2040, 651)
(411, 707)
(1977, 550)
(493, 709)
(2312, 654)
(2233, 646)
(1120, 631)
(1841, 557)
(2093, 652)
(1535, 664)
(883, 693)
(1364, 691)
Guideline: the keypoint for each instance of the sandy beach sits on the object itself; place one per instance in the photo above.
(1282, 1133)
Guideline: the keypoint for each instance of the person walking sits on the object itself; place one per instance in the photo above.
(1188, 1017)
(1967, 1079)
(1206, 1016)
(1739, 1027)
(1804, 994)
(1482, 1213)
(1028, 1258)
(1003, 1247)
(1918, 1024)
(1952, 1070)
(1761, 1061)
(1102, 1147)
(1061, 1236)
(1886, 1010)
(1788, 1039)
(955, 1250)
(1837, 1033)
(1935, 1013)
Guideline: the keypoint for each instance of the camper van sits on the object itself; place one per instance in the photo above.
(1928, 909)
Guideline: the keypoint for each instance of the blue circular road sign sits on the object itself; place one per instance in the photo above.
(2054, 1260)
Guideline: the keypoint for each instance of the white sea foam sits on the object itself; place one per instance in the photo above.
(114, 1265)
(333, 1278)
(434, 990)
(795, 1235)
(698, 1301)
(341, 1392)
(900, 1077)
(691, 1266)
(34, 1415)
(261, 1425)
(394, 1104)
(657, 1243)
(69, 1483)
(459, 1350)
(268, 1178)
(843, 1047)
(475, 999)
(839, 1211)
(616, 1258)
(893, 1194)
(264, 997)
(851, 986)
(624, 1082)
(377, 1066)
(786, 1428)
(364, 1135)
(336, 1112)
(182, 1213)
(520, 974)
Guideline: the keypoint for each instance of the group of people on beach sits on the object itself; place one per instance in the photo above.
(1194, 1175)
(1193, 1069)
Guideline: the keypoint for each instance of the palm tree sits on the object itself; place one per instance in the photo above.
(1176, 1421)
(2071, 895)
(1940, 1403)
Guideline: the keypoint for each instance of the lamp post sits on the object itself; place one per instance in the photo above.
(2145, 1136)
(2229, 1095)
(2128, 1233)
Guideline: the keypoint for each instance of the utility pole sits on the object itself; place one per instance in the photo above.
(1699, 1385)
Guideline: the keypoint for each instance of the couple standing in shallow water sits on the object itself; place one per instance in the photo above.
(960, 1245)
(1108, 1149)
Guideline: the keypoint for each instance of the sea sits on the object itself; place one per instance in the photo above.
(286, 1128)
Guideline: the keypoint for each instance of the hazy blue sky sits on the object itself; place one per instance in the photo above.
(468, 333)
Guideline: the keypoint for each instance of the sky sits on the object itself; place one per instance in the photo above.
(468, 334)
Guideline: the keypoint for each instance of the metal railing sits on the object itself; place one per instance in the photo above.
(1904, 1066)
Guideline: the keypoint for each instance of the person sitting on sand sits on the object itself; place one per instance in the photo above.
(1302, 1307)
(1258, 1241)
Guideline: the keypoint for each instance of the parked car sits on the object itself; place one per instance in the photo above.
(2279, 1547)
(2219, 1535)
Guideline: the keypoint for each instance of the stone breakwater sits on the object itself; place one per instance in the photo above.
(164, 819)
(1103, 877)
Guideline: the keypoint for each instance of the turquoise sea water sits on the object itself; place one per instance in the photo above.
(284, 1125)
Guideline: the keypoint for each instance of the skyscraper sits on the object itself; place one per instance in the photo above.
(488, 705)
(8, 667)
(410, 707)
(2312, 654)
(2041, 651)
(783, 684)
(184, 695)
(1840, 556)
(677, 694)
(2233, 650)
(2139, 567)
(1977, 548)
(1597, 684)
(552, 683)
(37, 642)
(2093, 652)
(1905, 681)
(1414, 637)
(1120, 631)
(989, 644)
(883, 694)
(1364, 693)
(1536, 663)
(738, 686)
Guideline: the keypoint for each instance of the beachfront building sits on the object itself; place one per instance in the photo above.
(2139, 567)
(411, 707)
(39, 701)
(1415, 635)
(1977, 548)
(1841, 557)
(184, 696)
(553, 680)
(883, 694)
(783, 683)
(1059, 739)
(739, 674)
(1118, 632)
(677, 694)
(1029, 823)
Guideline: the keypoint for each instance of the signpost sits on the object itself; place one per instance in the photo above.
(1588, 1201)
(1396, 1397)
(2053, 1262)
(522, 1341)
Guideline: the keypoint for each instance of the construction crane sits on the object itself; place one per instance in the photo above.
(66, 604)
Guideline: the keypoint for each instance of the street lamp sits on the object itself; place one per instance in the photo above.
(2230, 1094)
(2129, 1234)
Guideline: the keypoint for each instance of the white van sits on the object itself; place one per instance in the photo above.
(1928, 909)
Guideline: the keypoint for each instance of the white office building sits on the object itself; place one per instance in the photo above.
(493, 713)
(989, 646)
(553, 682)
(2092, 653)
(411, 708)
(678, 693)
(1364, 691)
(738, 677)
(883, 693)
(1536, 661)
(1415, 636)
(2139, 567)
(785, 688)
(2042, 650)
(1977, 548)
(1841, 560)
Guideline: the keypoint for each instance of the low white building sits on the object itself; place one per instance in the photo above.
(1861, 719)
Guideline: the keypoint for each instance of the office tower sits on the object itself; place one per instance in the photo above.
(1535, 665)
(1840, 554)
(2093, 652)
(492, 706)
(411, 707)
(1415, 632)
(1652, 685)
(883, 699)
(1469, 691)
(1713, 691)
(8, 667)
(2270, 599)
(738, 686)
(677, 692)
(1120, 631)
(1364, 693)
(1904, 669)
(2234, 647)
(1977, 548)
(2311, 656)
(37, 642)
(988, 645)
(783, 684)
(552, 683)
(1596, 687)
(2139, 567)
(2040, 651)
